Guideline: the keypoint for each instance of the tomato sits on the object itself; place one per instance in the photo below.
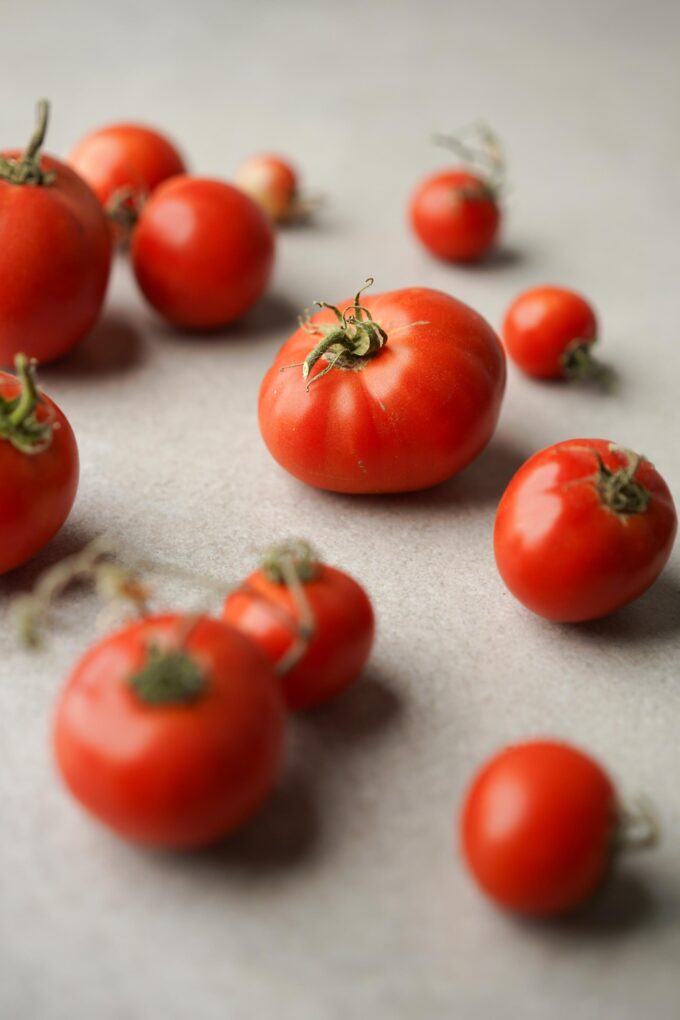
(321, 636)
(125, 158)
(456, 215)
(399, 391)
(55, 254)
(549, 333)
(538, 827)
(272, 182)
(38, 467)
(170, 731)
(583, 528)
(202, 252)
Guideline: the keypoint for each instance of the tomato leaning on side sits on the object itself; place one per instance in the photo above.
(583, 528)
(170, 731)
(335, 640)
(55, 254)
(398, 392)
(272, 182)
(38, 468)
(128, 158)
(549, 333)
(538, 828)
(456, 215)
(202, 252)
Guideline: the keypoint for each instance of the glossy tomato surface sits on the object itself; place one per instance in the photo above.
(202, 252)
(543, 325)
(343, 630)
(456, 215)
(37, 490)
(55, 256)
(562, 551)
(408, 418)
(537, 828)
(171, 775)
(125, 156)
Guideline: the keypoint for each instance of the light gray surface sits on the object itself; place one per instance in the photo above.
(345, 897)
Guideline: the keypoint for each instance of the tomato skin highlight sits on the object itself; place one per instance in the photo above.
(172, 775)
(272, 182)
(410, 417)
(343, 631)
(565, 555)
(37, 490)
(202, 252)
(55, 257)
(537, 828)
(130, 156)
(542, 324)
(455, 215)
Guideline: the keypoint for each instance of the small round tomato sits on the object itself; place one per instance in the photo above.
(272, 182)
(125, 157)
(38, 467)
(398, 391)
(312, 621)
(538, 828)
(55, 254)
(202, 252)
(583, 528)
(549, 333)
(170, 731)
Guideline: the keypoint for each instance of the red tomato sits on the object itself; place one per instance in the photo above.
(336, 618)
(583, 528)
(549, 332)
(38, 468)
(538, 828)
(202, 252)
(170, 731)
(456, 215)
(55, 254)
(125, 158)
(271, 182)
(404, 399)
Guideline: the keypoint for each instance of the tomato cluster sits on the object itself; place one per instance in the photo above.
(171, 730)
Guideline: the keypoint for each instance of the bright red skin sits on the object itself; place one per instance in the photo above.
(172, 776)
(202, 252)
(271, 181)
(343, 631)
(55, 256)
(537, 828)
(565, 555)
(542, 324)
(128, 156)
(451, 224)
(36, 490)
(412, 416)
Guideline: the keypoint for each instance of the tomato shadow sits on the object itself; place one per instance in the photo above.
(623, 904)
(653, 617)
(502, 256)
(361, 711)
(113, 345)
(72, 538)
(273, 313)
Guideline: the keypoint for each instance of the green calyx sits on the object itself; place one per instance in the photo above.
(19, 422)
(296, 557)
(27, 169)
(578, 362)
(347, 343)
(619, 490)
(168, 678)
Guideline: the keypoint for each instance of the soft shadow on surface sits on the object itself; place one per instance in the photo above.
(272, 313)
(364, 709)
(651, 618)
(71, 539)
(114, 345)
(622, 904)
(504, 256)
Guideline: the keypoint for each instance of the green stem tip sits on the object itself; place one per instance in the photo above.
(619, 490)
(28, 169)
(170, 677)
(19, 422)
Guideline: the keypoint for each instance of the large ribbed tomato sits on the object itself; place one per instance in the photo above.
(397, 392)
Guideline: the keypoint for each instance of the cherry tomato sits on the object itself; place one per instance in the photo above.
(55, 254)
(170, 731)
(202, 252)
(583, 528)
(549, 333)
(126, 158)
(331, 621)
(272, 182)
(398, 391)
(538, 828)
(38, 467)
(456, 215)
